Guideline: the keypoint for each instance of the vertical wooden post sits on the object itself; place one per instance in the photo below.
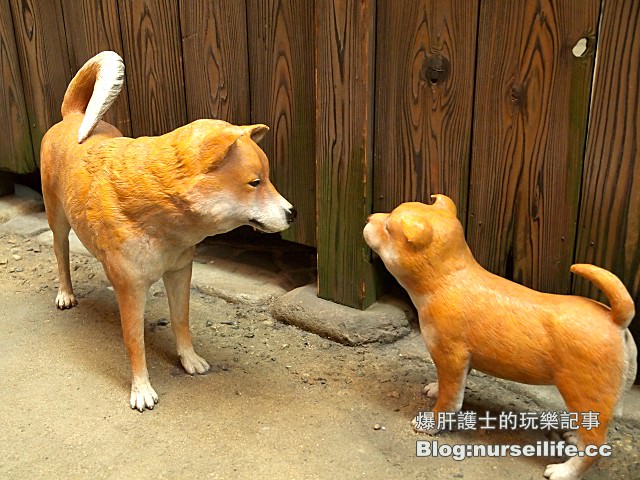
(16, 153)
(93, 26)
(609, 222)
(281, 64)
(214, 45)
(425, 72)
(344, 122)
(530, 119)
(44, 61)
(153, 61)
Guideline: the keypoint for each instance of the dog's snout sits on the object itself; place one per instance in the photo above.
(292, 213)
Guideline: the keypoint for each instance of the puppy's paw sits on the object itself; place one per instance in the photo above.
(193, 363)
(560, 471)
(65, 300)
(420, 427)
(431, 390)
(143, 396)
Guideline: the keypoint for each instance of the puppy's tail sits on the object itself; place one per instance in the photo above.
(622, 308)
(93, 90)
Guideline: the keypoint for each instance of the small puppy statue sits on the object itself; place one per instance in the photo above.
(141, 205)
(471, 318)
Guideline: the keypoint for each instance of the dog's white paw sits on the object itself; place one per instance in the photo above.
(420, 429)
(65, 300)
(143, 396)
(561, 471)
(431, 390)
(193, 363)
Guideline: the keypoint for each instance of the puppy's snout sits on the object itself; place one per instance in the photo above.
(292, 213)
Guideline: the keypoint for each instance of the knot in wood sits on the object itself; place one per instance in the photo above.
(517, 94)
(436, 68)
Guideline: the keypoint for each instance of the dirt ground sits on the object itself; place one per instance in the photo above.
(278, 403)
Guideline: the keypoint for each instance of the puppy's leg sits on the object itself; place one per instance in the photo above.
(452, 366)
(178, 284)
(593, 394)
(131, 300)
(61, 228)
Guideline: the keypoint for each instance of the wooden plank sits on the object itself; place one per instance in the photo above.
(216, 73)
(425, 68)
(281, 60)
(93, 26)
(344, 124)
(609, 222)
(153, 58)
(44, 62)
(16, 152)
(532, 98)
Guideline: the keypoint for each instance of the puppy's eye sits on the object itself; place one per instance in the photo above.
(255, 183)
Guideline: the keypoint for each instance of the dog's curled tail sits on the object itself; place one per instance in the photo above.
(622, 308)
(93, 90)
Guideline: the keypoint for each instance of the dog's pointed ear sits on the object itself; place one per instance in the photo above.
(445, 203)
(216, 148)
(257, 131)
(416, 232)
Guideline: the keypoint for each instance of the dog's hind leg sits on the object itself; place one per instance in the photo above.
(178, 284)
(61, 228)
(596, 397)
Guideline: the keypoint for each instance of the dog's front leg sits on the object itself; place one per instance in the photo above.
(452, 365)
(178, 284)
(131, 300)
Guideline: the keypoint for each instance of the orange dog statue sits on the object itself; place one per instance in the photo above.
(471, 318)
(141, 205)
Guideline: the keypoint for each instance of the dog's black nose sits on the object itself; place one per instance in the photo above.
(291, 215)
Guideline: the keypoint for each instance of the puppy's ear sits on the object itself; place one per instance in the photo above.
(445, 203)
(257, 131)
(417, 233)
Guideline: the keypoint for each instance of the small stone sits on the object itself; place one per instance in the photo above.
(3, 261)
(16, 257)
(36, 249)
(249, 335)
(19, 269)
(268, 323)
(209, 323)
(377, 426)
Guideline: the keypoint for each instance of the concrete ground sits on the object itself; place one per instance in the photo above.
(279, 402)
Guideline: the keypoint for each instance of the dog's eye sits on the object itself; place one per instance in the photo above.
(255, 183)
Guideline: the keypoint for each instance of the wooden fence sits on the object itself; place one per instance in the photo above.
(525, 112)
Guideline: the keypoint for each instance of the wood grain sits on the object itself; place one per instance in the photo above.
(531, 103)
(44, 62)
(425, 68)
(153, 59)
(16, 152)
(609, 224)
(93, 26)
(281, 60)
(344, 100)
(216, 71)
